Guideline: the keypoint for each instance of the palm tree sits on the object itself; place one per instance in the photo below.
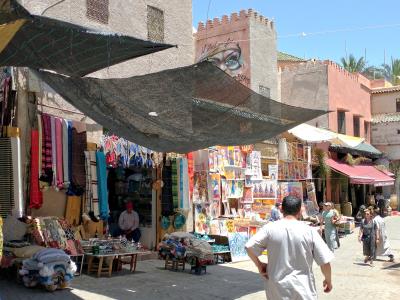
(353, 65)
(373, 72)
(392, 71)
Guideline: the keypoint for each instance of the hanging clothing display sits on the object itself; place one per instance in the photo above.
(79, 145)
(59, 154)
(6, 174)
(121, 152)
(92, 198)
(183, 182)
(167, 206)
(102, 185)
(65, 154)
(8, 99)
(40, 131)
(53, 149)
(174, 174)
(47, 167)
(69, 152)
(36, 197)
(19, 206)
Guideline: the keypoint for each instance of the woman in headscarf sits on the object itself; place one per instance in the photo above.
(369, 236)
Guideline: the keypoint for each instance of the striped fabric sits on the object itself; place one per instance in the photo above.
(19, 206)
(174, 173)
(53, 149)
(35, 194)
(6, 178)
(40, 130)
(92, 198)
(59, 153)
(79, 145)
(65, 153)
(185, 183)
(46, 143)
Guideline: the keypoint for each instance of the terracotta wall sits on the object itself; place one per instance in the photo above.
(348, 92)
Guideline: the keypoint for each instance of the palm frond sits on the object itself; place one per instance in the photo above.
(324, 168)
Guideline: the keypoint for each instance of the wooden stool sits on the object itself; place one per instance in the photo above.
(99, 267)
(174, 264)
(131, 261)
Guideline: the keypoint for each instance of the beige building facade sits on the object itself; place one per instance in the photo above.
(167, 22)
(385, 106)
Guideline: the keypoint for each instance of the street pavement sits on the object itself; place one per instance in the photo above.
(352, 279)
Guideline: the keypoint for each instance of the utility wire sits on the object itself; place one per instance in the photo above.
(307, 34)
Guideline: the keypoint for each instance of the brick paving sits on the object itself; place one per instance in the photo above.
(351, 280)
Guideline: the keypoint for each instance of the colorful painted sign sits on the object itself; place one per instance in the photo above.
(237, 242)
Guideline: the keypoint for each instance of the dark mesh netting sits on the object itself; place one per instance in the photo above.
(44, 43)
(10, 11)
(180, 110)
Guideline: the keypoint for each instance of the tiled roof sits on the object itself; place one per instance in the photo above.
(282, 56)
(391, 89)
(385, 118)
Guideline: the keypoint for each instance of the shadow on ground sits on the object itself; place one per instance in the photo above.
(150, 281)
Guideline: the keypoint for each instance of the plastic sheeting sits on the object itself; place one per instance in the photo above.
(44, 43)
(180, 110)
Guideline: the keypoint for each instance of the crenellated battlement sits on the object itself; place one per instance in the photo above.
(336, 67)
(242, 16)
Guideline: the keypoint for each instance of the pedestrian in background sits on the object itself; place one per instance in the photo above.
(368, 235)
(292, 246)
(382, 244)
(329, 219)
(276, 212)
(360, 214)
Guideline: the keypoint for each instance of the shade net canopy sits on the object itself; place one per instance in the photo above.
(11, 10)
(180, 110)
(43, 43)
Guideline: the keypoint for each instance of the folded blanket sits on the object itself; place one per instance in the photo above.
(51, 255)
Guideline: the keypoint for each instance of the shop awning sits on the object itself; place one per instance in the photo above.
(312, 134)
(361, 174)
(44, 43)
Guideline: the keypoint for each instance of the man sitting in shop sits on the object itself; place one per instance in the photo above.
(129, 223)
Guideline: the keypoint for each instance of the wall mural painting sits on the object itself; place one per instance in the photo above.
(229, 57)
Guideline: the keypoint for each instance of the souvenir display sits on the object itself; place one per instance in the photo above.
(265, 189)
(248, 195)
(254, 165)
(234, 188)
(237, 242)
(290, 188)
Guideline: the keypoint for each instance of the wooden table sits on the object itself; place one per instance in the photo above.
(99, 267)
(220, 255)
(78, 259)
(102, 269)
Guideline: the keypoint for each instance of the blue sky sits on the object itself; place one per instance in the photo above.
(310, 16)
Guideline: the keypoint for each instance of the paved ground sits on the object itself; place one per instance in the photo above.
(352, 280)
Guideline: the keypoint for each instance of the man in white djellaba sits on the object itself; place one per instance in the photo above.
(382, 244)
(292, 247)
